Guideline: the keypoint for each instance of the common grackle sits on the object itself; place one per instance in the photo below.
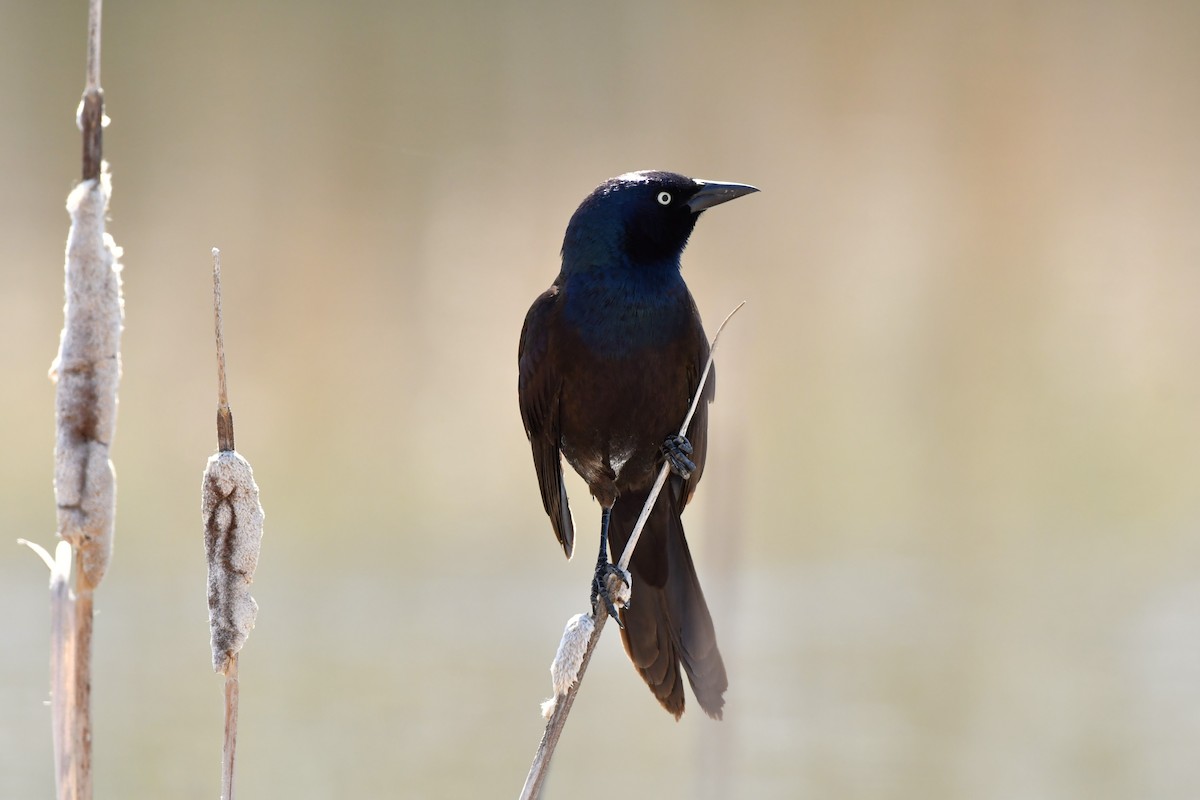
(610, 357)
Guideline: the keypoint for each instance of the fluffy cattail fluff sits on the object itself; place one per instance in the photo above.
(233, 527)
(87, 370)
(564, 670)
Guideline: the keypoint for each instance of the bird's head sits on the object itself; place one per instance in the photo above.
(646, 217)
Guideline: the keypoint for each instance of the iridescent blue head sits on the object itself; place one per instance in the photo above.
(642, 219)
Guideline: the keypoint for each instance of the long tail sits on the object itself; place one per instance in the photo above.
(667, 622)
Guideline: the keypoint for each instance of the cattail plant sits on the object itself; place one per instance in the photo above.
(233, 527)
(583, 631)
(87, 370)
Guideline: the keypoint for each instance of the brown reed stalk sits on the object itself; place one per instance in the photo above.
(233, 527)
(574, 653)
(87, 372)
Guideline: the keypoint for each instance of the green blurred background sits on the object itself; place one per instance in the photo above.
(950, 529)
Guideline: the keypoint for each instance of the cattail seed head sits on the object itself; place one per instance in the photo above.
(87, 371)
(233, 527)
(564, 671)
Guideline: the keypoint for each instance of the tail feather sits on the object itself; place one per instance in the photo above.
(667, 622)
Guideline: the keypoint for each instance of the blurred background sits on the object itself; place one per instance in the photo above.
(950, 528)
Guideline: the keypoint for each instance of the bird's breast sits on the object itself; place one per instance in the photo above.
(616, 314)
(625, 358)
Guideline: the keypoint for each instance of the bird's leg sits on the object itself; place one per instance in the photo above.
(603, 569)
(677, 449)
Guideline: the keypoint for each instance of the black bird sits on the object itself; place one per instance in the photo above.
(610, 358)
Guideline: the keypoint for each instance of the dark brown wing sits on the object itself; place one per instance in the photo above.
(538, 390)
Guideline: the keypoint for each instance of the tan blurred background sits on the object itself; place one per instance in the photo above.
(950, 529)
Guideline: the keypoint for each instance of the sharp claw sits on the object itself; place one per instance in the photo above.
(598, 594)
(612, 612)
(677, 449)
(600, 590)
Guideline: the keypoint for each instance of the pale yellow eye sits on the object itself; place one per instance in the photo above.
(664, 198)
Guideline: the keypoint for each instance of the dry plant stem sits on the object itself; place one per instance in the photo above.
(562, 706)
(229, 749)
(81, 724)
(224, 414)
(93, 48)
(91, 114)
(233, 519)
(558, 719)
(87, 371)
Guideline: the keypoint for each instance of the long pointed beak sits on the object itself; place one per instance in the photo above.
(714, 193)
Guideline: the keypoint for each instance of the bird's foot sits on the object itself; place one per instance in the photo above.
(677, 449)
(612, 585)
